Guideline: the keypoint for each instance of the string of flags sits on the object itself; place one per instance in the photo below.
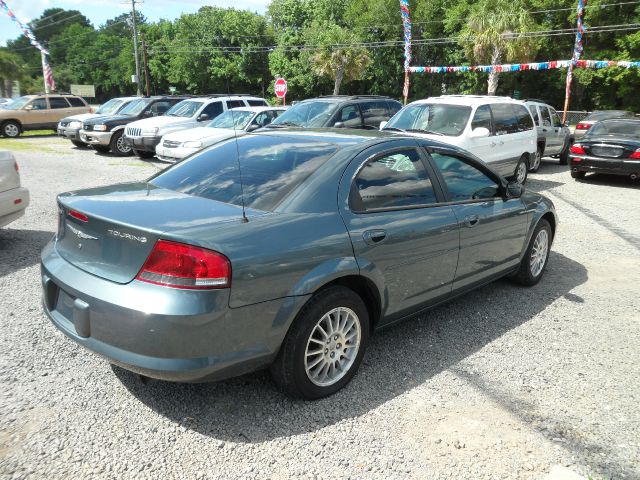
(46, 69)
(519, 67)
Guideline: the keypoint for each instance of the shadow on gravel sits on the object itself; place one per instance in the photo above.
(20, 248)
(616, 181)
(399, 358)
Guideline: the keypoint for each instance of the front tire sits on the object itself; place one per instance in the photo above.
(564, 155)
(118, 146)
(521, 171)
(11, 129)
(79, 144)
(578, 175)
(101, 148)
(535, 258)
(325, 345)
(537, 160)
(144, 154)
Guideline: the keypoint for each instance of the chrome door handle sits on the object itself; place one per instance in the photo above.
(471, 220)
(374, 237)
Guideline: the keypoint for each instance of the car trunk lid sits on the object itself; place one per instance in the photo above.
(110, 231)
(9, 176)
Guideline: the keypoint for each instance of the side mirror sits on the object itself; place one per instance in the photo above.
(383, 124)
(514, 190)
(202, 117)
(480, 132)
(147, 114)
(338, 125)
(253, 127)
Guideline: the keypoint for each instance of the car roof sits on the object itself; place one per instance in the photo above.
(468, 100)
(208, 98)
(259, 109)
(346, 98)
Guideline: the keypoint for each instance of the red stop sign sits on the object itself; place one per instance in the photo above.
(281, 88)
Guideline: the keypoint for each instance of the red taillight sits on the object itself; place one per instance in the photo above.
(583, 126)
(577, 149)
(78, 216)
(16, 166)
(635, 155)
(17, 201)
(178, 265)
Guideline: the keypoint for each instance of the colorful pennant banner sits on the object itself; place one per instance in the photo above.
(519, 67)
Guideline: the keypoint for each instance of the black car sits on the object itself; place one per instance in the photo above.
(356, 111)
(105, 133)
(610, 146)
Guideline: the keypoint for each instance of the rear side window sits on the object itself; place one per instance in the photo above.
(482, 118)
(257, 103)
(393, 180)
(524, 118)
(546, 117)
(76, 102)
(234, 104)
(213, 109)
(464, 181)
(160, 108)
(504, 119)
(555, 119)
(394, 107)
(374, 112)
(58, 102)
(534, 112)
(271, 169)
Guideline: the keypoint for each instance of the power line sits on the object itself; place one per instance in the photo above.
(48, 17)
(57, 22)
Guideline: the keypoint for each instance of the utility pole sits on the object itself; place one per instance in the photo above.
(135, 45)
(145, 59)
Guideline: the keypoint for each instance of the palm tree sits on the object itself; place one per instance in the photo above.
(494, 33)
(339, 57)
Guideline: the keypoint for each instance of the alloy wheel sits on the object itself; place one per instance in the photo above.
(122, 146)
(537, 160)
(539, 252)
(521, 172)
(332, 346)
(11, 130)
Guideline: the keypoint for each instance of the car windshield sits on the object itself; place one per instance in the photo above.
(438, 118)
(607, 114)
(232, 119)
(307, 114)
(185, 108)
(135, 108)
(615, 127)
(271, 169)
(18, 103)
(110, 107)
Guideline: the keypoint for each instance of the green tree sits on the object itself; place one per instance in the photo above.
(11, 69)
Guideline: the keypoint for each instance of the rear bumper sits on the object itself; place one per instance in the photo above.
(145, 144)
(164, 333)
(585, 163)
(70, 133)
(13, 204)
(96, 138)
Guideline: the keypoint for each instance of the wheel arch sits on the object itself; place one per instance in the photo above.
(366, 289)
(15, 120)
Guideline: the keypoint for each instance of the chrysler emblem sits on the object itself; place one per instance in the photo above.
(80, 234)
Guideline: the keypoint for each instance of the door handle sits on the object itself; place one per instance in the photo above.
(493, 144)
(544, 129)
(471, 220)
(374, 237)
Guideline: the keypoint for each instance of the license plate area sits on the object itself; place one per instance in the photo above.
(64, 305)
(611, 152)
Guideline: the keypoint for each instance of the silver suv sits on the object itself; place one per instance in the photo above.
(554, 138)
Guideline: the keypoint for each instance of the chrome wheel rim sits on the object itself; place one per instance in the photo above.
(332, 347)
(521, 172)
(539, 252)
(537, 160)
(11, 130)
(122, 146)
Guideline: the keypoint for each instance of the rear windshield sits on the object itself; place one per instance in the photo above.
(272, 167)
(615, 127)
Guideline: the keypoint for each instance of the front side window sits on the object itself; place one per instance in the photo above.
(161, 108)
(185, 109)
(109, 107)
(213, 110)
(374, 112)
(393, 180)
(464, 182)
(350, 117)
(307, 114)
(482, 118)
(135, 108)
(271, 170)
(58, 102)
(233, 119)
(38, 104)
(504, 119)
(435, 118)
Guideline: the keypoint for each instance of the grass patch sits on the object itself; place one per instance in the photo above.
(36, 133)
(29, 145)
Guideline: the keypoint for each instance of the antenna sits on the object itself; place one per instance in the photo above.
(235, 135)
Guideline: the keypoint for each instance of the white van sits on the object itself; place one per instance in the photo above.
(144, 135)
(498, 130)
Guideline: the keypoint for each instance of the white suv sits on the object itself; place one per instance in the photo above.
(498, 130)
(144, 135)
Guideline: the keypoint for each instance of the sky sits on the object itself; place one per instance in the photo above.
(98, 11)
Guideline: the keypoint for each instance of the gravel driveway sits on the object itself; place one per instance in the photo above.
(504, 383)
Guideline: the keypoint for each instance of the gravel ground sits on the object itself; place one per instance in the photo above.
(504, 383)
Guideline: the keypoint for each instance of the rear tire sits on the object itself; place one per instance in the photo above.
(564, 155)
(578, 175)
(11, 129)
(79, 144)
(118, 145)
(522, 170)
(331, 332)
(144, 154)
(101, 148)
(534, 261)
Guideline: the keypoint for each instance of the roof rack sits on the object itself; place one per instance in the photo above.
(533, 100)
(215, 95)
(353, 97)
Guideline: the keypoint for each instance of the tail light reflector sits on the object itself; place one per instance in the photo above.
(635, 155)
(78, 216)
(583, 126)
(16, 166)
(577, 149)
(178, 265)
(17, 201)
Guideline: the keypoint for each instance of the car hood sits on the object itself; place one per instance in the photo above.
(162, 121)
(109, 119)
(80, 117)
(201, 134)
